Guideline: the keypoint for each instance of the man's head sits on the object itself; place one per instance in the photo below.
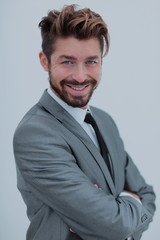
(81, 24)
(73, 43)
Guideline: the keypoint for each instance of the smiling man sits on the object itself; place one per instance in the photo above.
(73, 172)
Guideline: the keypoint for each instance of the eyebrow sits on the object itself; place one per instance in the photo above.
(92, 57)
(74, 58)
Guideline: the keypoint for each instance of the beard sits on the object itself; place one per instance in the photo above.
(74, 101)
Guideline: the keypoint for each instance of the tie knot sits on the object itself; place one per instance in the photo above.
(89, 119)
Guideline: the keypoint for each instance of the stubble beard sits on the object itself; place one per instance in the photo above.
(74, 101)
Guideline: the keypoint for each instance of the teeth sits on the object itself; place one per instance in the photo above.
(78, 88)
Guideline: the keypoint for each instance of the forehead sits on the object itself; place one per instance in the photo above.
(78, 48)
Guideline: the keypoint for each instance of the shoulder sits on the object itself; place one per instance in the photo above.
(100, 112)
(37, 131)
(103, 116)
(32, 117)
(36, 123)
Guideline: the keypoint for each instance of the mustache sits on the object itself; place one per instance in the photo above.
(75, 83)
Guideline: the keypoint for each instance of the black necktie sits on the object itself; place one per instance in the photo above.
(103, 148)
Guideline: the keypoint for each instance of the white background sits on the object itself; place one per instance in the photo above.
(129, 89)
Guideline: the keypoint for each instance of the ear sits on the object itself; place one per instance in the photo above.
(44, 61)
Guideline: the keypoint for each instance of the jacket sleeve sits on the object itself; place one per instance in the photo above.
(49, 168)
(134, 182)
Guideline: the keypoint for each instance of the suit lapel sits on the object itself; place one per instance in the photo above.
(74, 127)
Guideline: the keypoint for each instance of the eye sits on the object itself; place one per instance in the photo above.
(67, 62)
(91, 62)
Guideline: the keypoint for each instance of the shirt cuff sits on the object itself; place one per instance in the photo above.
(125, 194)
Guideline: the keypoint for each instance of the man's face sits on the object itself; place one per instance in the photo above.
(74, 69)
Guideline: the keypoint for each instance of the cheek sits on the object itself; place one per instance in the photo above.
(56, 75)
(97, 74)
(60, 73)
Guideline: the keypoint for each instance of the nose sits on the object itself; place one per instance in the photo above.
(80, 73)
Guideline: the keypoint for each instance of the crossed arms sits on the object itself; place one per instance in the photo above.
(50, 169)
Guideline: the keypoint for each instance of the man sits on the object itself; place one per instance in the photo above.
(74, 175)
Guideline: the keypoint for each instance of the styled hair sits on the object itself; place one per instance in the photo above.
(81, 24)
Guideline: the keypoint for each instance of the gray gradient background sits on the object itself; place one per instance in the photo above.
(129, 89)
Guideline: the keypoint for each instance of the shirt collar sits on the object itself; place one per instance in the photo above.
(77, 113)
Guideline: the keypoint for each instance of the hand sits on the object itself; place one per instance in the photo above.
(97, 186)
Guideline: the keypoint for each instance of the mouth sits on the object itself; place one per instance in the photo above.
(78, 90)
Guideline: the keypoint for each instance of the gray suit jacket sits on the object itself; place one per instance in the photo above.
(57, 167)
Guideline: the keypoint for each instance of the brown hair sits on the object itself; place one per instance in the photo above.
(82, 24)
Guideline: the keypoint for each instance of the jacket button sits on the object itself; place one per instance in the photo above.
(143, 218)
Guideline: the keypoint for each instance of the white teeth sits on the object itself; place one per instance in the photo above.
(78, 88)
